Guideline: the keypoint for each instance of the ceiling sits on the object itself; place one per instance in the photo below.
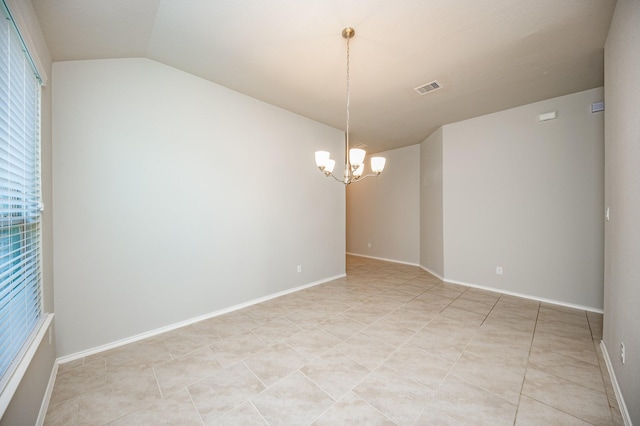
(488, 55)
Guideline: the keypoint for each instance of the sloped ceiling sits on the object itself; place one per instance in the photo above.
(488, 55)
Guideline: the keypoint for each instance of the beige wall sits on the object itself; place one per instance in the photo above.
(528, 196)
(431, 220)
(622, 195)
(501, 190)
(384, 210)
(177, 198)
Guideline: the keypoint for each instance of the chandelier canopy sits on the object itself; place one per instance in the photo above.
(353, 158)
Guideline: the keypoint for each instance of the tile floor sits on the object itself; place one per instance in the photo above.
(389, 344)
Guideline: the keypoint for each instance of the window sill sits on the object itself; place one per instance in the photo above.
(20, 370)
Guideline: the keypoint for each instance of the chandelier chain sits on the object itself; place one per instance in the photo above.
(348, 97)
(352, 172)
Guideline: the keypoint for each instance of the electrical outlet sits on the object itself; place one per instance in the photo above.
(299, 269)
(622, 352)
(369, 245)
(499, 270)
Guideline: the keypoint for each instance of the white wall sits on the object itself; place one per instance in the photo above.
(176, 197)
(622, 195)
(431, 220)
(384, 210)
(528, 196)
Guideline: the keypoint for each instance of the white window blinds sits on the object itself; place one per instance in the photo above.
(20, 290)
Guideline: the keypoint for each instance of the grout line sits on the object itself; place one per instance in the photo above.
(257, 411)
(155, 376)
(526, 368)
(194, 405)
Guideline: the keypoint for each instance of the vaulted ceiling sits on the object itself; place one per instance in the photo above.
(488, 55)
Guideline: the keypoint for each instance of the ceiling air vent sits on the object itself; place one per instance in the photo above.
(361, 145)
(429, 87)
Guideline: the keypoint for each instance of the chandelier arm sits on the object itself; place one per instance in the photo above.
(366, 176)
(327, 174)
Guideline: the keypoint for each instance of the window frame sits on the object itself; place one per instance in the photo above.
(35, 332)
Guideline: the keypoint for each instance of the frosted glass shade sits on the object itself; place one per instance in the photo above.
(377, 164)
(356, 156)
(329, 165)
(358, 172)
(321, 158)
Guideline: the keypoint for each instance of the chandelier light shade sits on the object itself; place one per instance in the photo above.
(354, 157)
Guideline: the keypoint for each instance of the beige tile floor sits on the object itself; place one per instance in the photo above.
(389, 344)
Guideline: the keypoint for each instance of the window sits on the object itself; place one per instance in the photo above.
(20, 289)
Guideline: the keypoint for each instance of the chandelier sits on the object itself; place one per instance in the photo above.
(353, 158)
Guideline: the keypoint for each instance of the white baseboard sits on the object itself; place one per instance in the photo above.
(151, 333)
(47, 395)
(616, 387)
(528, 296)
(383, 259)
(496, 290)
(435, 274)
